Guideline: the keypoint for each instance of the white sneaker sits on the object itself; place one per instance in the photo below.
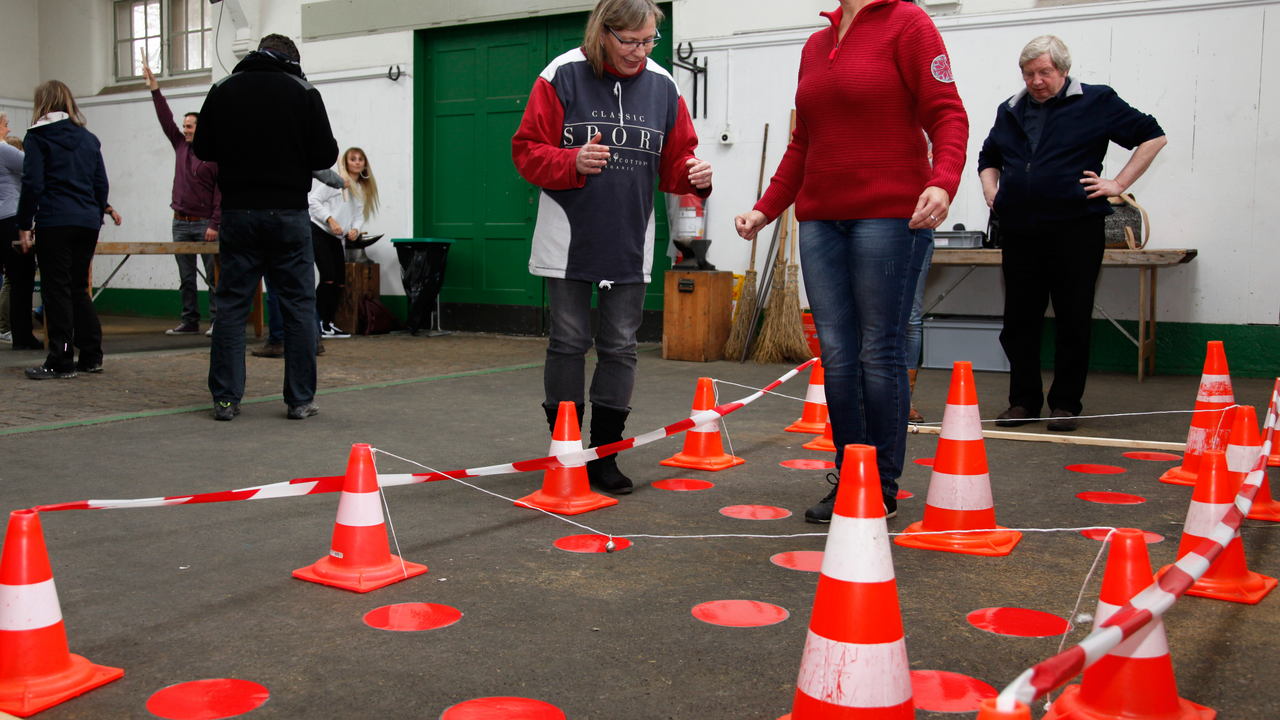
(6, 337)
(332, 331)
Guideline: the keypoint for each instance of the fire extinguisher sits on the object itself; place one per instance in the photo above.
(691, 218)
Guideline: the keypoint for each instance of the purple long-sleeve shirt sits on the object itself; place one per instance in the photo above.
(195, 182)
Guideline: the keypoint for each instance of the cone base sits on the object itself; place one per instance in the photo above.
(820, 444)
(988, 544)
(1265, 511)
(1070, 707)
(324, 572)
(1178, 476)
(566, 506)
(26, 698)
(722, 462)
(1249, 591)
(808, 428)
(804, 706)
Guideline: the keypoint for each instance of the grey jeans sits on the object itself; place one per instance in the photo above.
(620, 310)
(185, 231)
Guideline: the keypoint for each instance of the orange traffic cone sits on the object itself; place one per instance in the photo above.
(814, 417)
(566, 490)
(1243, 449)
(987, 710)
(960, 487)
(1274, 459)
(1135, 680)
(359, 558)
(824, 442)
(1229, 577)
(36, 669)
(855, 657)
(1209, 426)
(702, 448)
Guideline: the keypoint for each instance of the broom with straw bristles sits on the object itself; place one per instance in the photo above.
(782, 337)
(745, 313)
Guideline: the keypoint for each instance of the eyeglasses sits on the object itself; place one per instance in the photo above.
(636, 44)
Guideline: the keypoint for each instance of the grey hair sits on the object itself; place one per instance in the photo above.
(1059, 55)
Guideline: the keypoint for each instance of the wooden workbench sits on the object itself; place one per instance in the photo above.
(1146, 262)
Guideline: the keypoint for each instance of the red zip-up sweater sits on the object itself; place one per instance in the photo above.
(858, 151)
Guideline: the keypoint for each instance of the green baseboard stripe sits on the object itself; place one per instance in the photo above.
(1252, 350)
(130, 302)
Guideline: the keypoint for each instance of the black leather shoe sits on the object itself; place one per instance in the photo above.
(1016, 416)
(93, 369)
(821, 513)
(1062, 421)
(890, 507)
(302, 412)
(45, 373)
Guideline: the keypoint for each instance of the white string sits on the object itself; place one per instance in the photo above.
(767, 392)
(387, 509)
(723, 427)
(1080, 599)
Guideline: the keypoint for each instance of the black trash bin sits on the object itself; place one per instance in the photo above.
(422, 266)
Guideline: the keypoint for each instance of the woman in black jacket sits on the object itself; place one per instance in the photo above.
(64, 192)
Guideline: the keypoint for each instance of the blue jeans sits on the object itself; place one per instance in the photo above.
(860, 277)
(621, 309)
(186, 231)
(275, 243)
(915, 325)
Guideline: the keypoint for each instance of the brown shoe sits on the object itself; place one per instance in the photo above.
(1063, 421)
(268, 350)
(1016, 416)
(915, 415)
(319, 349)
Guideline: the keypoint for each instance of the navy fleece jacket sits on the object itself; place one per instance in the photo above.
(64, 181)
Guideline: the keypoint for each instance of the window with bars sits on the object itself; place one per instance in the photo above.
(140, 25)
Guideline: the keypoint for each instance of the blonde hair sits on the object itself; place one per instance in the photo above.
(618, 15)
(14, 141)
(54, 96)
(365, 186)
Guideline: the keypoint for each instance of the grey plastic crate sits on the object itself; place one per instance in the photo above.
(976, 339)
(958, 238)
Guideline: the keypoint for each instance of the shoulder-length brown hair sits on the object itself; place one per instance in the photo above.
(55, 96)
(619, 15)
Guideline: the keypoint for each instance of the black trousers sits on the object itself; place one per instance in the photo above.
(1059, 264)
(20, 272)
(65, 254)
(331, 261)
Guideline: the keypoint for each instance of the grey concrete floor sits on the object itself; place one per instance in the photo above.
(185, 593)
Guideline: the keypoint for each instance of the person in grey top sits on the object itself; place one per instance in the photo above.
(19, 267)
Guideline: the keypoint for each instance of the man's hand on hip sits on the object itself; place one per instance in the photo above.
(210, 235)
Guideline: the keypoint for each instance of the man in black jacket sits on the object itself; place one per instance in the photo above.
(267, 129)
(1041, 174)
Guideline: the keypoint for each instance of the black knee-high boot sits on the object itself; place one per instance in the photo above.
(607, 425)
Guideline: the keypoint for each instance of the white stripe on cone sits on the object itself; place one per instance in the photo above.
(1149, 642)
(1202, 518)
(1215, 389)
(360, 509)
(563, 447)
(960, 492)
(961, 422)
(29, 607)
(855, 675)
(1241, 458)
(816, 394)
(1200, 439)
(858, 550)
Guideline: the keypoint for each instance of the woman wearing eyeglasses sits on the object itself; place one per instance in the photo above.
(603, 124)
(868, 200)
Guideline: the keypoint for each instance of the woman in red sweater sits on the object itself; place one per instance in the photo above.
(868, 201)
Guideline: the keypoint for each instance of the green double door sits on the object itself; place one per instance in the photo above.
(471, 86)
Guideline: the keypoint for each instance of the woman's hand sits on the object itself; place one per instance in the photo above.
(931, 209)
(699, 173)
(26, 238)
(592, 157)
(352, 234)
(749, 223)
(115, 216)
(334, 227)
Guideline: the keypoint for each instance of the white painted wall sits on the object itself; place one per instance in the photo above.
(20, 69)
(1199, 68)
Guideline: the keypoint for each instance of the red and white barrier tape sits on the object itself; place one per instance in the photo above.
(316, 486)
(1153, 601)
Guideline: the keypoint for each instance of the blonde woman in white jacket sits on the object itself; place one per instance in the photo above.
(338, 214)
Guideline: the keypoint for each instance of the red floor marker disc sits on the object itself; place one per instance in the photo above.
(590, 543)
(1111, 498)
(207, 699)
(1096, 469)
(412, 617)
(1152, 456)
(1100, 535)
(683, 484)
(740, 613)
(503, 708)
(808, 464)
(939, 691)
(755, 512)
(1019, 622)
(905, 494)
(805, 560)
(923, 461)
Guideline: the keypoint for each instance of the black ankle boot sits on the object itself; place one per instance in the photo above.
(607, 425)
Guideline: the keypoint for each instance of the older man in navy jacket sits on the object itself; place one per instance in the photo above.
(1040, 170)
